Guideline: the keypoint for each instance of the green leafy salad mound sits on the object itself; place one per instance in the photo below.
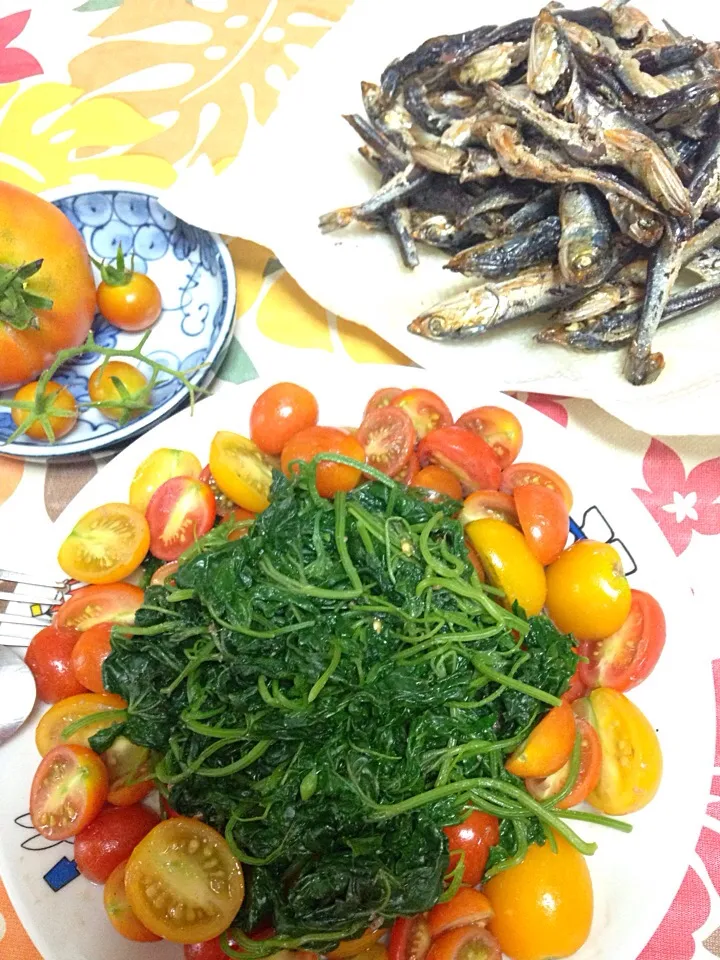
(330, 691)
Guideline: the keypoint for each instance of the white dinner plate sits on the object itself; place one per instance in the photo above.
(635, 876)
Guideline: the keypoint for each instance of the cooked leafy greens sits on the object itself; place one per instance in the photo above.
(330, 691)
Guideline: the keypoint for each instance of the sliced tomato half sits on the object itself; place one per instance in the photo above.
(543, 788)
(544, 520)
(467, 906)
(388, 436)
(68, 791)
(519, 474)
(464, 454)
(426, 409)
(88, 606)
(489, 503)
(498, 427)
(382, 398)
(180, 512)
(409, 939)
(463, 943)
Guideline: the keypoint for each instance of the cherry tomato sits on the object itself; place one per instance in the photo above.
(224, 504)
(239, 514)
(475, 561)
(129, 766)
(631, 767)
(544, 905)
(508, 563)
(499, 428)
(90, 651)
(544, 788)
(408, 473)
(548, 747)
(628, 656)
(111, 838)
(425, 408)
(134, 305)
(49, 656)
(464, 454)
(472, 941)
(55, 396)
(180, 512)
(587, 593)
(205, 950)
(439, 480)
(544, 520)
(279, 413)
(164, 573)
(576, 688)
(474, 837)
(117, 380)
(351, 948)
(467, 906)
(89, 606)
(409, 938)
(106, 544)
(161, 465)
(489, 503)
(521, 474)
(241, 470)
(120, 912)
(105, 708)
(157, 889)
(382, 398)
(68, 791)
(388, 437)
(330, 477)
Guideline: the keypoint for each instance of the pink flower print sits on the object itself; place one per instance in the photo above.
(15, 64)
(679, 503)
(689, 911)
(708, 848)
(545, 404)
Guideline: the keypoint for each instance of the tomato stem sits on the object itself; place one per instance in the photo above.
(117, 274)
(17, 303)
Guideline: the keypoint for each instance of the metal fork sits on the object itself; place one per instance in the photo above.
(27, 601)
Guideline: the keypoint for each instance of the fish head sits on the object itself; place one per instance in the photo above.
(549, 54)
(468, 313)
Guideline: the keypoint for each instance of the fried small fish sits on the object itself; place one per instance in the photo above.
(586, 251)
(500, 258)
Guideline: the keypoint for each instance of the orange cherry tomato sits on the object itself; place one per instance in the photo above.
(111, 838)
(474, 838)
(164, 573)
(103, 388)
(119, 910)
(382, 398)
(544, 788)
(544, 520)
(180, 512)
(471, 941)
(89, 606)
(508, 563)
(409, 938)
(88, 654)
(520, 474)
(544, 905)
(467, 906)
(351, 948)
(132, 305)
(68, 791)
(484, 504)
(463, 453)
(388, 438)
(239, 514)
(161, 465)
(425, 408)
(587, 592)
(548, 747)
(279, 413)
(63, 403)
(129, 768)
(241, 470)
(107, 544)
(439, 480)
(499, 428)
(49, 656)
(330, 477)
(101, 710)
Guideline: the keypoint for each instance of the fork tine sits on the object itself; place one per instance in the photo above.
(31, 598)
(31, 580)
(25, 621)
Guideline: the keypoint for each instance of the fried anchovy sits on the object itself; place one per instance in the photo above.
(378, 142)
(470, 164)
(401, 185)
(542, 206)
(549, 57)
(635, 222)
(439, 230)
(705, 184)
(418, 105)
(496, 259)
(677, 106)
(398, 218)
(586, 243)
(656, 60)
(495, 63)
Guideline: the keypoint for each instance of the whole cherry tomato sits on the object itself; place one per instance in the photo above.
(474, 837)
(49, 656)
(90, 651)
(55, 401)
(330, 476)
(279, 413)
(110, 838)
(117, 380)
(127, 299)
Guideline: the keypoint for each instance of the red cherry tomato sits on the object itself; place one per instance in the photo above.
(467, 906)
(409, 939)
(239, 514)
(474, 837)
(544, 520)
(543, 788)
(629, 655)
(165, 574)
(577, 688)
(489, 503)
(438, 480)
(207, 950)
(464, 454)
(382, 398)
(464, 942)
(425, 408)
(279, 413)
(330, 477)
(111, 838)
(90, 651)
(68, 791)
(180, 512)
(408, 473)
(520, 474)
(498, 427)
(49, 656)
(107, 603)
(388, 436)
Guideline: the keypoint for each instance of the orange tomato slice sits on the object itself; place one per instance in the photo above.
(106, 544)
(241, 470)
(119, 910)
(548, 747)
(104, 708)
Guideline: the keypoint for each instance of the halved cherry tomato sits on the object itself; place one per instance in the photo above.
(204, 879)
(631, 767)
(68, 791)
(104, 708)
(180, 512)
(464, 454)
(388, 438)
(548, 747)
(279, 413)
(472, 942)
(211, 949)
(103, 388)
(489, 503)
(59, 398)
(509, 564)
(576, 688)
(205, 950)
(111, 838)
(241, 470)
(351, 948)
(161, 465)
(382, 398)
(49, 656)
(467, 906)
(474, 838)
(119, 910)
(106, 544)
(544, 520)
(90, 651)
(408, 473)
(498, 427)
(129, 765)
(628, 656)
(89, 606)
(239, 514)
(425, 408)
(475, 561)
(521, 474)
(409, 938)
(439, 480)
(224, 504)
(164, 573)
(330, 477)
(587, 592)
(544, 788)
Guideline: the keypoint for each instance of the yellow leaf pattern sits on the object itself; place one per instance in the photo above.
(365, 346)
(288, 315)
(250, 260)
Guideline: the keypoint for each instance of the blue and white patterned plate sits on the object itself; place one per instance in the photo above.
(195, 275)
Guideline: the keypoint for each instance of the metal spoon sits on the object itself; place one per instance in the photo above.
(17, 693)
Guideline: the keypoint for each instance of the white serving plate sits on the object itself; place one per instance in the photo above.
(635, 876)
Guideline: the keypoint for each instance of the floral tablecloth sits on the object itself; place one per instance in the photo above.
(139, 90)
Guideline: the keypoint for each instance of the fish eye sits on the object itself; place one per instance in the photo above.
(435, 325)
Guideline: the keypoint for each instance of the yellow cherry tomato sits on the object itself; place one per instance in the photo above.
(631, 767)
(241, 470)
(55, 396)
(105, 545)
(509, 563)
(587, 592)
(351, 948)
(103, 386)
(161, 465)
(543, 907)
(548, 747)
